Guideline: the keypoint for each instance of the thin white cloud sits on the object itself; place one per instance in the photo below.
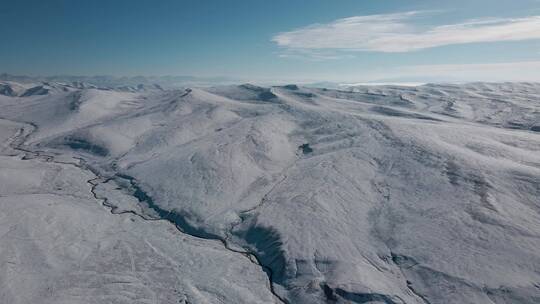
(494, 72)
(398, 33)
(503, 71)
(526, 71)
(315, 55)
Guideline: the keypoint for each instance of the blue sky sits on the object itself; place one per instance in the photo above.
(258, 40)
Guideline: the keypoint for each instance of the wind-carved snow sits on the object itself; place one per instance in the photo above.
(385, 194)
(60, 245)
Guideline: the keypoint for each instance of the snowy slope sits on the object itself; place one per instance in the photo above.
(61, 245)
(373, 194)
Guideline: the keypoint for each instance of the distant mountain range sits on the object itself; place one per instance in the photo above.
(116, 81)
(182, 81)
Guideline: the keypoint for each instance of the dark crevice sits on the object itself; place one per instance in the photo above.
(406, 263)
(334, 294)
(266, 241)
(395, 113)
(328, 293)
(7, 90)
(306, 149)
(85, 146)
(76, 101)
(39, 90)
(291, 87)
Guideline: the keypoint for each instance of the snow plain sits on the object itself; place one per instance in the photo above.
(246, 194)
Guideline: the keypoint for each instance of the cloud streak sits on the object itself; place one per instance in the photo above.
(528, 71)
(393, 33)
(503, 71)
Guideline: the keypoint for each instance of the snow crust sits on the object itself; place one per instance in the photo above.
(370, 194)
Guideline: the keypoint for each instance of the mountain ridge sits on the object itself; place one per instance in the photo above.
(382, 194)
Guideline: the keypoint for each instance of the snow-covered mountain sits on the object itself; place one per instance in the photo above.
(248, 194)
(114, 82)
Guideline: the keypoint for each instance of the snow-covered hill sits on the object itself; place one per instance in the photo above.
(373, 194)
